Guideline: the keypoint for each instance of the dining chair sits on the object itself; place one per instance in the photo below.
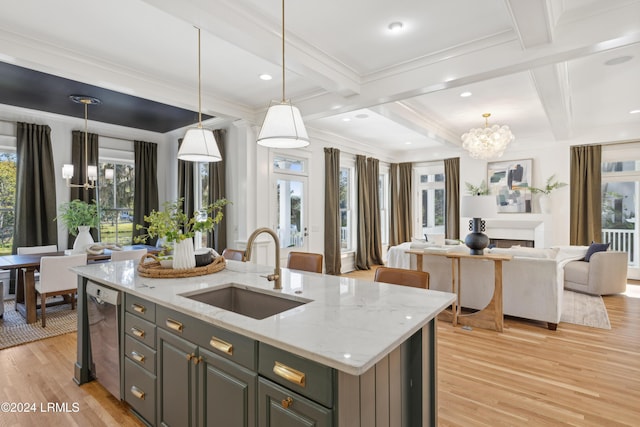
(233, 254)
(305, 261)
(134, 254)
(29, 250)
(401, 276)
(57, 279)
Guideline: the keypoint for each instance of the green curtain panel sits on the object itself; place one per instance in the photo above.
(80, 173)
(452, 197)
(400, 221)
(145, 185)
(332, 260)
(364, 223)
(35, 204)
(186, 185)
(217, 190)
(585, 195)
(375, 242)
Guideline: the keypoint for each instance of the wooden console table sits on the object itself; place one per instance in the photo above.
(491, 316)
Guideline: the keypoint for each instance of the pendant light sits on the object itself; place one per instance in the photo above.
(199, 144)
(282, 126)
(91, 174)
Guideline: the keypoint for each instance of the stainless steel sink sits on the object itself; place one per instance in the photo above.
(245, 301)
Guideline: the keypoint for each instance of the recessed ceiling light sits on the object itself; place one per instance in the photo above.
(265, 77)
(408, 142)
(618, 60)
(362, 116)
(465, 94)
(634, 111)
(346, 119)
(396, 27)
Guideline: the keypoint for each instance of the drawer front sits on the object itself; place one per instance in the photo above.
(139, 329)
(140, 354)
(227, 344)
(140, 390)
(280, 407)
(140, 307)
(301, 375)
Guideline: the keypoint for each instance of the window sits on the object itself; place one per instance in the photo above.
(346, 212)
(383, 196)
(7, 200)
(116, 203)
(620, 202)
(431, 212)
(202, 200)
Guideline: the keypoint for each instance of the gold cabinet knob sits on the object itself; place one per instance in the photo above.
(287, 402)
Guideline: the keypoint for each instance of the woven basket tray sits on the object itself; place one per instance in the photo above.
(153, 268)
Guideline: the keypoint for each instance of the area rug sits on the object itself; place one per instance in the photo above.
(15, 331)
(583, 309)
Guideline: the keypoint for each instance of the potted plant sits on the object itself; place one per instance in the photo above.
(175, 227)
(551, 185)
(79, 216)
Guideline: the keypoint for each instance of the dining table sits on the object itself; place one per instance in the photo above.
(26, 266)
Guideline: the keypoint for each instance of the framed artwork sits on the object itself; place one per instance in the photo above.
(510, 181)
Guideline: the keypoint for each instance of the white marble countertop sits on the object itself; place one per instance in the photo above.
(348, 324)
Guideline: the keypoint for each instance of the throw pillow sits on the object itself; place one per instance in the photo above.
(595, 247)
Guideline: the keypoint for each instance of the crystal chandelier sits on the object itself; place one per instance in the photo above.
(487, 142)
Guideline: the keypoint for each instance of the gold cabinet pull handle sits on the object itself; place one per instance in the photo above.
(137, 332)
(287, 402)
(221, 345)
(289, 373)
(174, 324)
(196, 360)
(139, 308)
(137, 392)
(190, 356)
(137, 356)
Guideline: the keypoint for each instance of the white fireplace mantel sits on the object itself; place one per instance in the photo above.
(535, 227)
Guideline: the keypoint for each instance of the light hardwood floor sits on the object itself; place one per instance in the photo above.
(527, 375)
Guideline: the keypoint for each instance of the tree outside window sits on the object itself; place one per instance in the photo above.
(7, 200)
(116, 203)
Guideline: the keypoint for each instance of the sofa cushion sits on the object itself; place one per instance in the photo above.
(520, 251)
(577, 272)
(595, 247)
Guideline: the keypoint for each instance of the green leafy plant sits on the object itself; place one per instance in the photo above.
(481, 190)
(551, 185)
(173, 225)
(78, 213)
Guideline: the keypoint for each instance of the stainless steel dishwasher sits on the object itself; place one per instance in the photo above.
(103, 309)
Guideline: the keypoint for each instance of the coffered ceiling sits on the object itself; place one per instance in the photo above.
(539, 66)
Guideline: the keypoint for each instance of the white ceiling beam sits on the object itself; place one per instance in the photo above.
(262, 37)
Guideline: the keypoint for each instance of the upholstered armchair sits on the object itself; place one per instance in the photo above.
(605, 273)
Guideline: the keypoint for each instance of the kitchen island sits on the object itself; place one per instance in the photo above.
(351, 353)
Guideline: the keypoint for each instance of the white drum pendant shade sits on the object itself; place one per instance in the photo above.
(283, 128)
(199, 145)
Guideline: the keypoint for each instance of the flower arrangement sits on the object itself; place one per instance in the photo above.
(173, 225)
(550, 186)
(78, 213)
(480, 190)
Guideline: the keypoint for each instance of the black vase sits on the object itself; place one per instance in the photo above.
(476, 241)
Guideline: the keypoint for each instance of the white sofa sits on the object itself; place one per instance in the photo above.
(533, 281)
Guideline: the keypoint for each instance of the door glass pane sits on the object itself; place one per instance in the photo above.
(290, 199)
(619, 219)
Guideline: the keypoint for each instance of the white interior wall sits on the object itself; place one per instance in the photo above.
(61, 128)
